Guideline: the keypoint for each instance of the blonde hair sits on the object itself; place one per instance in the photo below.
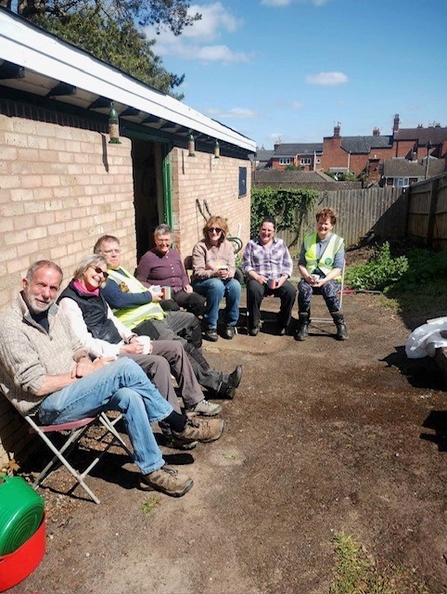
(216, 221)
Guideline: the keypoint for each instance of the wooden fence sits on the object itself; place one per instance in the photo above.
(427, 212)
(364, 213)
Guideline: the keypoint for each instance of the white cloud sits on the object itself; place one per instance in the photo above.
(327, 79)
(297, 105)
(195, 42)
(234, 112)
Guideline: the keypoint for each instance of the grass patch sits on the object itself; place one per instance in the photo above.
(354, 573)
(150, 504)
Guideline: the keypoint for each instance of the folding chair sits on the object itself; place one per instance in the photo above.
(76, 429)
(330, 320)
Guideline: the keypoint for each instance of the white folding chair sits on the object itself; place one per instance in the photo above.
(74, 431)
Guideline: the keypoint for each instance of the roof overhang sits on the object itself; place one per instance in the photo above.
(39, 63)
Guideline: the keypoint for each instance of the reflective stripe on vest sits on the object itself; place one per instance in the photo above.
(326, 262)
(135, 315)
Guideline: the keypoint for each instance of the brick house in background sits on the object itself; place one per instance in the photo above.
(365, 156)
(399, 172)
(306, 156)
(361, 155)
(63, 184)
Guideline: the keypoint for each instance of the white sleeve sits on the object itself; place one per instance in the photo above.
(95, 346)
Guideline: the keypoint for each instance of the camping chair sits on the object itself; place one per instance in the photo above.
(75, 430)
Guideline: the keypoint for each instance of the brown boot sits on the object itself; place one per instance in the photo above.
(167, 480)
(203, 430)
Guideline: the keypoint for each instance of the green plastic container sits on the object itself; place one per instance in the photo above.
(21, 513)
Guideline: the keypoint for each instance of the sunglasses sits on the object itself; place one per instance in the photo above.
(100, 271)
(214, 230)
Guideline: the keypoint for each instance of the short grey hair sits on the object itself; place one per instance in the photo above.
(162, 229)
(42, 264)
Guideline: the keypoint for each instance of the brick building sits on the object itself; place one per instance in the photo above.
(63, 184)
(364, 155)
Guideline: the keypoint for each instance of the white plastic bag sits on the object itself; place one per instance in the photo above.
(425, 339)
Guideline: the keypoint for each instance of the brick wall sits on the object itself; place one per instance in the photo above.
(61, 186)
(215, 180)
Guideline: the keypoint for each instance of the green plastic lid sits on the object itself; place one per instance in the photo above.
(21, 512)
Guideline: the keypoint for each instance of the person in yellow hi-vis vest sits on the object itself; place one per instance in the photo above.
(138, 308)
(321, 264)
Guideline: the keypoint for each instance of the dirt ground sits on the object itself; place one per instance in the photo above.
(322, 438)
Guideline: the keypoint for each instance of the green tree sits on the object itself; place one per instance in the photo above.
(112, 30)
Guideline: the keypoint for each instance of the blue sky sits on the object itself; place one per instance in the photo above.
(290, 70)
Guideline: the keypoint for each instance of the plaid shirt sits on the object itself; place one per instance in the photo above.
(273, 261)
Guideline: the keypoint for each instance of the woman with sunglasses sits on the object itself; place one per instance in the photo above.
(213, 277)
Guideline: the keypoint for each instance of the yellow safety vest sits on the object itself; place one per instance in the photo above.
(135, 315)
(327, 259)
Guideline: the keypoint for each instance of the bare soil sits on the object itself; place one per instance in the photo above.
(323, 437)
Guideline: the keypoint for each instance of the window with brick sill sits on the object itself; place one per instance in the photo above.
(306, 161)
(285, 161)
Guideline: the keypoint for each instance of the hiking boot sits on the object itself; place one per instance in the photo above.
(204, 408)
(167, 480)
(204, 430)
(169, 441)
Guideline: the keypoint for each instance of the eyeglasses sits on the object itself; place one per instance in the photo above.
(214, 230)
(99, 271)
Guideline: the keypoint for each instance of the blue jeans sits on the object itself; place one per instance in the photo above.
(214, 289)
(123, 386)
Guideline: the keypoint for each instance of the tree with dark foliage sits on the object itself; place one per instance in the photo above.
(112, 30)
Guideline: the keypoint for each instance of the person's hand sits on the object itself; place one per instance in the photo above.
(280, 282)
(188, 289)
(156, 292)
(133, 348)
(223, 273)
(85, 366)
(262, 280)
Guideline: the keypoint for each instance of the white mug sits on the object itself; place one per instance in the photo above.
(146, 342)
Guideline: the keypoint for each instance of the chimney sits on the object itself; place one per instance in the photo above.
(276, 146)
(337, 131)
(396, 123)
(376, 132)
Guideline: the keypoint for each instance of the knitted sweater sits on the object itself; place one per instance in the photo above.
(28, 353)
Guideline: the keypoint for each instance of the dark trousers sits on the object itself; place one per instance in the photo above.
(185, 327)
(192, 302)
(256, 293)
